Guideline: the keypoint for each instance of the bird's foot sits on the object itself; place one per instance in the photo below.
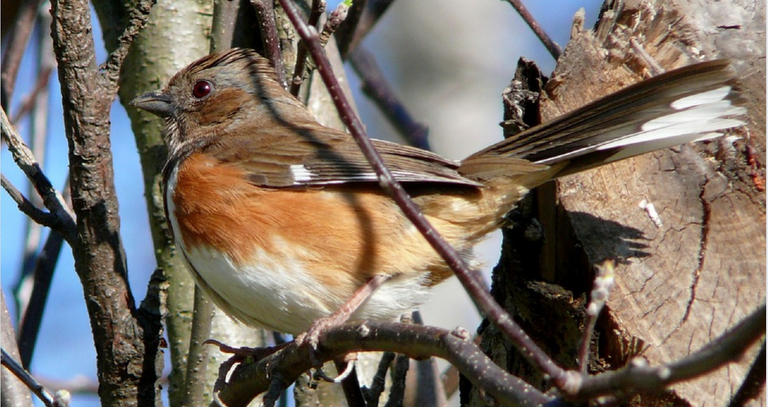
(239, 355)
(311, 338)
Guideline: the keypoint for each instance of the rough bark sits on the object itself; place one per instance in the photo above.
(678, 284)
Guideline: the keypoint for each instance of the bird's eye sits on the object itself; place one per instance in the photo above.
(202, 89)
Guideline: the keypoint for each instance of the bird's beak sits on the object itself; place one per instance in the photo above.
(157, 103)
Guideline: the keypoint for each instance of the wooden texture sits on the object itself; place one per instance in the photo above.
(683, 282)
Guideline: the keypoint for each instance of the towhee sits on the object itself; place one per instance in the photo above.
(281, 220)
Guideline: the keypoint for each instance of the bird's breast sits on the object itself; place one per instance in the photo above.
(282, 258)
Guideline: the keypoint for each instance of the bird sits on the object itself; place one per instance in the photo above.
(281, 220)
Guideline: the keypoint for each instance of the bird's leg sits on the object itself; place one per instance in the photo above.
(342, 315)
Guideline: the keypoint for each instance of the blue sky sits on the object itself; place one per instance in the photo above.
(65, 348)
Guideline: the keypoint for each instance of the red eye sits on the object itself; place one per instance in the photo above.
(202, 89)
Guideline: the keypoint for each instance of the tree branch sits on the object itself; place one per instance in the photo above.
(14, 50)
(14, 392)
(136, 22)
(127, 354)
(266, 15)
(60, 399)
(551, 46)
(375, 86)
(638, 377)
(318, 8)
(288, 364)
(64, 220)
(28, 208)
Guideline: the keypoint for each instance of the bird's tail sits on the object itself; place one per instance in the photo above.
(693, 103)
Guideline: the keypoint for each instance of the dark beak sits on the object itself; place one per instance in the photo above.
(157, 103)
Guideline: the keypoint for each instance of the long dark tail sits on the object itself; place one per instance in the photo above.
(693, 103)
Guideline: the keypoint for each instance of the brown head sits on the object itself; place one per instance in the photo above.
(216, 94)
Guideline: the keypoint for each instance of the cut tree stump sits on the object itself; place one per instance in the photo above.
(683, 278)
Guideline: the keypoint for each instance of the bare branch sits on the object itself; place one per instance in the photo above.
(14, 50)
(30, 100)
(28, 208)
(14, 392)
(351, 386)
(551, 46)
(289, 363)
(375, 86)
(335, 19)
(379, 379)
(318, 7)
(399, 372)
(347, 30)
(638, 376)
(49, 399)
(136, 22)
(753, 383)
(600, 291)
(45, 264)
(126, 341)
(266, 14)
(372, 12)
(65, 223)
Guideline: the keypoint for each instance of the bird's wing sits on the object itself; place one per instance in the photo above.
(318, 156)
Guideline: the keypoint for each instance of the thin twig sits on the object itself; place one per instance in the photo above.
(399, 373)
(379, 381)
(551, 46)
(604, 280)
(65, 221)
(471, 281)
(337, 16)
(223, 24)
(14, 50)
(376, 87)
(38, 389)
(318, 8)
(753, 383)
(30, 100)
(265, 12)
(27, 207)
(372, 12)
(347, 31)
(637, 376)
(13, 392)
(427, 387)
(136, 22)
(32, 268)
(349, 384)
(45, 265)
